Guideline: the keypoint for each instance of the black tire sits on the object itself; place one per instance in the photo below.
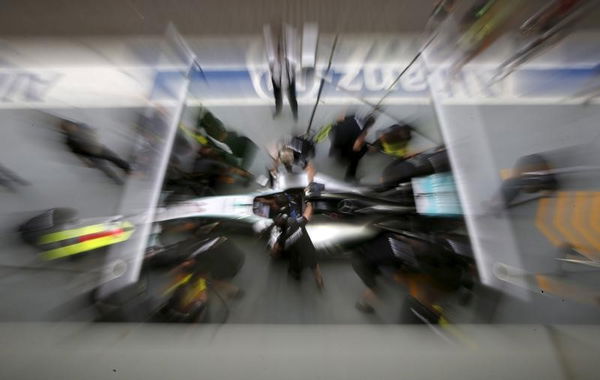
(47, 221)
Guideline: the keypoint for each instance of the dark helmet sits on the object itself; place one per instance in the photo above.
(396, 132)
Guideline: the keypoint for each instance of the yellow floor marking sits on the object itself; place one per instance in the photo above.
(564, 205)
(541, 217)
(566, 290)
(579, 221)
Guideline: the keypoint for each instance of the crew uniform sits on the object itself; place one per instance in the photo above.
(394, 140)
(426, 267)
(343, 136)
(242, 148)
(281, 53)
(83, 141)
(297, 245)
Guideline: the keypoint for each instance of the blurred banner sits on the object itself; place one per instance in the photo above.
(124, 74)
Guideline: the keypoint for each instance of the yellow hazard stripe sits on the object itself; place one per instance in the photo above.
(560, 288)
(198, 137)
(579, 223)
(323, 133)
(394, 149)
(540, 221)
(89, 245)
(446, 325)
(69, 234)
(177, 284)
(564, 205)
(198, 288)
(595, 214)
(201, 284)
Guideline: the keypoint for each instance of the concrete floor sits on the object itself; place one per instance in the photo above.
(32, 146)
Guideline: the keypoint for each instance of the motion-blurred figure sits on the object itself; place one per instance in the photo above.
(280, 44)
(200, 263)
(8, 179)
(151, 127)
(348, 141)
(422, 164)
(295, 243)
(428, 267)
(202, 175)
(531, 174)
(542, 174)
(481, 26)
(235, 149)
(394, 140)
(548, 26)
(295, 157)
(83, 141)
(439, 14)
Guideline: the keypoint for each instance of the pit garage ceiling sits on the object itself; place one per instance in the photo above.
(216, 17)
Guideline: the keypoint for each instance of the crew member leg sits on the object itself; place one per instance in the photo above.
(9, 175)
(308, 259)
(292, 98)
(367, 273)
(294, 265)
(318, 277)
(109, 155)
(102, 166)
(278, 97)
(354, 158)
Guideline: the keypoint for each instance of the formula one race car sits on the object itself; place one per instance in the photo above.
(349, 211)
(345, 214)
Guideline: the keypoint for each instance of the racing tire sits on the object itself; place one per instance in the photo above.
(48, 220)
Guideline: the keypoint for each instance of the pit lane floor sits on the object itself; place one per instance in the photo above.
(33, 149)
